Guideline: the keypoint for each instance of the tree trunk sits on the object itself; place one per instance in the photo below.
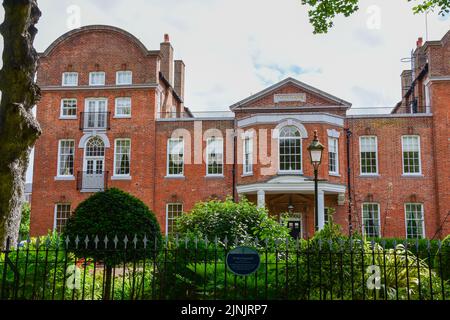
(18, 128)
(108, 283)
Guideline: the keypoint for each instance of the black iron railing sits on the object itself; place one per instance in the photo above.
(92, 181)
(95, 268)
(95, 121)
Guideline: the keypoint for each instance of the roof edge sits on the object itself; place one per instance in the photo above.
(96, 27)
(295, 82)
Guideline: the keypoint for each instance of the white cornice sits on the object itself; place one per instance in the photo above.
(290, 184)
(97, 88)
(302, 117)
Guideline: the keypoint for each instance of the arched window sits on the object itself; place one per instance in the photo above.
(290, 149)
(95, 147)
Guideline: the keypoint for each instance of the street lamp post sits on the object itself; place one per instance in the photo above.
(315, 152)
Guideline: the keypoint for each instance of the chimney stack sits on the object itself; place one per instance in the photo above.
(179, 78)
(419, 42)
(406, 77)
(167, 59)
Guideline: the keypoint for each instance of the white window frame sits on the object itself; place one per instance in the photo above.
(167, 214)
(116, 114)
(376, 156)
(336, 172)
(63, 82)
(403, 157)
(300, 171)
(220, 140)
(91, 74)
(55, 214)
(61, 113)
(248, 138)
(379, 218)
(423, 218)
(168, 174)
(117, 175)
(59, 159)
(118, 77)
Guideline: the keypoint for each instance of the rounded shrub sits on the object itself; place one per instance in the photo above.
(112, 213)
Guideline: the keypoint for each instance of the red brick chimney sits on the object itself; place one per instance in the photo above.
(167, 59)
(179, 78)
(419, 42)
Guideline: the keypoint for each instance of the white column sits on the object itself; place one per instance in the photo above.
(321, 209)
(261, 199)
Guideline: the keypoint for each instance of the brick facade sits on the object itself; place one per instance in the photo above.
(158, 113)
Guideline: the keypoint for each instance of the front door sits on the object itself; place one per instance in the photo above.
(94, 165)
(295, 227)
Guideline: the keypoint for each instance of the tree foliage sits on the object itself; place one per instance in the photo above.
(241, 222)
(323, 12)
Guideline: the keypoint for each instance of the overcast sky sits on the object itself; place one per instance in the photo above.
(234, 48)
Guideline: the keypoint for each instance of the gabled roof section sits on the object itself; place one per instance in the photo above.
(294, 82)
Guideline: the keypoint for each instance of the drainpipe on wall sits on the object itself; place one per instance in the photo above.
(349, 186)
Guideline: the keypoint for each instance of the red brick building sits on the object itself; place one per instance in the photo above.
(113, 115)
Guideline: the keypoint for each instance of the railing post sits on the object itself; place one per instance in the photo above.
(5, 266)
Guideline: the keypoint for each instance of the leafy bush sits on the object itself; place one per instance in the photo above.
(424, 248)
(125, 220)
(442, 259)
(239, 222)
(24, 230)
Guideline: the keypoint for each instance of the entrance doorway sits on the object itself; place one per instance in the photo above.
(295, 226)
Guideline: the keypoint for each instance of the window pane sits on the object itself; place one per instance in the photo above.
(290, 149)
(122, 157)
(62, 215)
(123, 106)
(124, 77)
(175, 157)
(248, 155)
(368, 155)
(333, 155)
(371, 220)
(174, 210)
(69, 108)
(214, 150)
(97, 78)
(95, 147)
(70, 79)
(66, 155)
(414, 220)
(411, 154)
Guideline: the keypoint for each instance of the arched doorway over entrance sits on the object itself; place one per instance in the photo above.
(94, 165)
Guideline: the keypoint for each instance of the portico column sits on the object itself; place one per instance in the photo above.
(261, 199)
(321, 209)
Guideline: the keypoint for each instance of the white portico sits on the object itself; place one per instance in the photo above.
(298, 186)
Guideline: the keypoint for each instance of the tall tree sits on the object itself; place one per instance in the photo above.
(18, 127)
(322, 12)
